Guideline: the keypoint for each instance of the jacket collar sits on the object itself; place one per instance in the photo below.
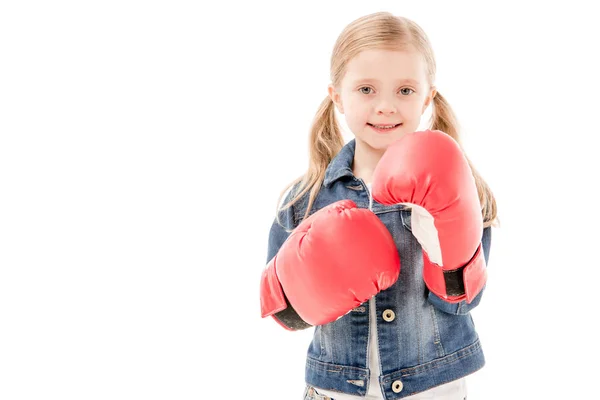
(341, 165)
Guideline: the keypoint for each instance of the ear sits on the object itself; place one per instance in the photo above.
(336, 98)
(429, 99)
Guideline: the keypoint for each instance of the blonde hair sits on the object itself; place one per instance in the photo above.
(380, 30)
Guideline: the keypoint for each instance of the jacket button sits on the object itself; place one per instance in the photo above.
(389, 315)
(397, 386)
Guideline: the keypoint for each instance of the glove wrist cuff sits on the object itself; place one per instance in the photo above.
(459, 284)
(272, 299)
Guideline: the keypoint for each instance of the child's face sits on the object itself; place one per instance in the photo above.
(397, 92)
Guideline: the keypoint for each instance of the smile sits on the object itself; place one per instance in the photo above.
(384, 128)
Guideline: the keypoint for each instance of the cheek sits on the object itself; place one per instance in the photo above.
(356, 119)
(357, 112)
(412, 110)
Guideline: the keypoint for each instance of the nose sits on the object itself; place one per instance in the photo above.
(386, 107)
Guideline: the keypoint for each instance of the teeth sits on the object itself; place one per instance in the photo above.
(384, 126)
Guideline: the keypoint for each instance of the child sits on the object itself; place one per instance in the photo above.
(407, 331)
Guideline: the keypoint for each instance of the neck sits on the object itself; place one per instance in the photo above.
(365, 161)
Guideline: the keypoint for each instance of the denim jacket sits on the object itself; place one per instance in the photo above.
(424, 341)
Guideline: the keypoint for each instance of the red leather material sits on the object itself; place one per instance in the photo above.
(475, 275)
(272, 299)
(428, 168)
(334, 261)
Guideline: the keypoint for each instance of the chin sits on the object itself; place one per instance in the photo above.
(377, 144)
(383, 141)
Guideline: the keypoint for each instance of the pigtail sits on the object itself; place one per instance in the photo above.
(325, 141)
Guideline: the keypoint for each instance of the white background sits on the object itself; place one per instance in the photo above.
(143, 147)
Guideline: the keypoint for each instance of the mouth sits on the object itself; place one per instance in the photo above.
(384, 128)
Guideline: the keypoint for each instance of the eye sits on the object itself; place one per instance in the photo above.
(364, 87)
(406, 89)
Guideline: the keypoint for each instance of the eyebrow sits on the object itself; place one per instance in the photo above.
(405, 80)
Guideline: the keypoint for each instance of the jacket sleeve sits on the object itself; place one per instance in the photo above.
(462, 307)
(288, 318)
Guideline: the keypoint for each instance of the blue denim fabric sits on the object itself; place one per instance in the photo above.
(428, 343)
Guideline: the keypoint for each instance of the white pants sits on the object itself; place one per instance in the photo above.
(456, 390)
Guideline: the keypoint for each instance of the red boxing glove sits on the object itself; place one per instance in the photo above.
(428, 170)
(334, 261)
